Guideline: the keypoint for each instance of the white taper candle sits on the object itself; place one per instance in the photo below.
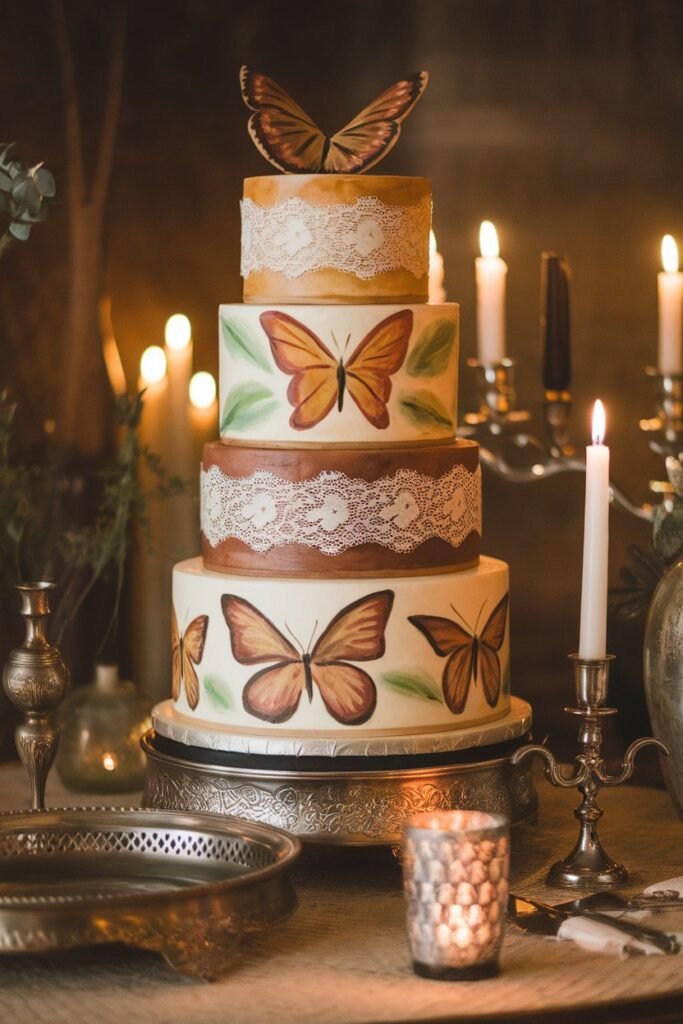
(670, 293)
(491, 272)
(593, 635)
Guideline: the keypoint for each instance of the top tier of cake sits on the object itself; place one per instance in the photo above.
(336, 238)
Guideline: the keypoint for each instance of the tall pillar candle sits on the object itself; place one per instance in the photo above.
(491, 272)
(436, 272)
(178, 337)
(670, 292)
(593, 635)
(203, 411)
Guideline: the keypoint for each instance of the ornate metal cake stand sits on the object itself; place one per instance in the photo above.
(344, 801)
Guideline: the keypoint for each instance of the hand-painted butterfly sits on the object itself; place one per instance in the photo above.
(286, 136)
(187, 651)
(468, 653)
(273, 694)
(321, 379)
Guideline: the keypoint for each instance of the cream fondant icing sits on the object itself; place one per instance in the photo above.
(407, 676)
(255, 393)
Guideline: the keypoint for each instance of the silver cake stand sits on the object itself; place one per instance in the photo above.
(353, 798)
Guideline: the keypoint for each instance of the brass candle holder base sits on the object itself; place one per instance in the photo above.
(497, 397)
(588, 865)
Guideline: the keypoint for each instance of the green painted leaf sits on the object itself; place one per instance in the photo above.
(241, 343)
(247, 404)
(425, 410)
(218, 692)
(417, 684)
(433, 350)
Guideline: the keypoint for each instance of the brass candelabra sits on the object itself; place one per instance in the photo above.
(588, 864)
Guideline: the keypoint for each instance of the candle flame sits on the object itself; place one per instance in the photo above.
(202, 390)
(153, 364)
(178, 331)
(598, 422)
(488, 240)
(432, 242)
(669, 254)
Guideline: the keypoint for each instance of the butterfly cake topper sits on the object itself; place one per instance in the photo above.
(292, 142)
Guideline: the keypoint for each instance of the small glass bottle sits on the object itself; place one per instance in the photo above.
(102, 725)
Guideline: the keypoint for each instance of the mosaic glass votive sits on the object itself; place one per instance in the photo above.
(455, 873)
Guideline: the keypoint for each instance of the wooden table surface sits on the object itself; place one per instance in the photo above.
(343, 957)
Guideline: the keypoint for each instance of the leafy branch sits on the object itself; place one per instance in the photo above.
(25, 194)
(97, 551)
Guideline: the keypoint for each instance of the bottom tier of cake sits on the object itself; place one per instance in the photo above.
(331, 658)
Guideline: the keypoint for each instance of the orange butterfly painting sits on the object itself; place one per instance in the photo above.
(321, 379)
(186, 652)
(470, 654)
(287, 137)
(273, 693)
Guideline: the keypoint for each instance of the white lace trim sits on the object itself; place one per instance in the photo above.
(333, 512)
(364, 238)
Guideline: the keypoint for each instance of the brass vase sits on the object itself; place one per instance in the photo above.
(35, 679)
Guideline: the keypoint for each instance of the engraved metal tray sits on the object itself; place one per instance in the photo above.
(189, 886)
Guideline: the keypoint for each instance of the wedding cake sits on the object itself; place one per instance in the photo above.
(341, 605)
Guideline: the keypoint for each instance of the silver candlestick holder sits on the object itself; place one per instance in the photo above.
(666, 426)
(500, 427)
(588, 865)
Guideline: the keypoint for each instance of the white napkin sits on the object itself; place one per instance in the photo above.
(674, 885)
(602, 938)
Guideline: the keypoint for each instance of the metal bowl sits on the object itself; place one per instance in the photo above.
(188, 886)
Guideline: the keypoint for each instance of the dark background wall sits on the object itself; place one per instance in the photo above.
(558, 119)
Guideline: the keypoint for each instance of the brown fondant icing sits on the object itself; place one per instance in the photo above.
(435, 555)
(366, 463)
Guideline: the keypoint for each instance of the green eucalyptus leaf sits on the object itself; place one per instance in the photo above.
(218, 692)
(242, 344)
(432, 352)
(667, 537)
(19, 230)
(425, 410)
(246, 404)
(413, 684)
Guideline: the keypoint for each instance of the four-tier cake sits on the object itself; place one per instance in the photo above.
(341, 607)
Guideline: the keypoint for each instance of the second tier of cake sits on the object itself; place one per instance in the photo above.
(343, 511)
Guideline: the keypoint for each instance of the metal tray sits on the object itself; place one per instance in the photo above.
(188, 886)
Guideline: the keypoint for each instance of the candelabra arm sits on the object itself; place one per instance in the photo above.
(628, 764)
(552, 769)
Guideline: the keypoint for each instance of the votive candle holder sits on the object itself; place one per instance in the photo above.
(455, 872)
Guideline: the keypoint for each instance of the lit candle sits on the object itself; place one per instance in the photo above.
(203, 410)
(670, 289)
(178, 335)
(436, 272)
(153, 379)
(491, 271)
(592, 640)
